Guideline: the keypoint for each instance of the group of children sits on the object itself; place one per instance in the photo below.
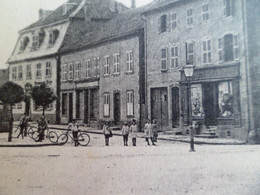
(150, 132)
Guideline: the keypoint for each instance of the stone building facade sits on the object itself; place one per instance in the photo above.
(102, 78)
(211, 35)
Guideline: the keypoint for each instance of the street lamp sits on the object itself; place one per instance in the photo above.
(188, 72)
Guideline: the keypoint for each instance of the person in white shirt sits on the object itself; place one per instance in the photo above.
(74, 127)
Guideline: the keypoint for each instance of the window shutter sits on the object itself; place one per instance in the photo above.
(41, 37)
(56, 34)
(159, 25)
(186, 46)
(168, 22)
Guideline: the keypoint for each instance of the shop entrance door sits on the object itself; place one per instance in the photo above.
(210, 103)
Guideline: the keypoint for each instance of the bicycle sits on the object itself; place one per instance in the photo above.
(27, 130)
(51, 135)
(83, 138)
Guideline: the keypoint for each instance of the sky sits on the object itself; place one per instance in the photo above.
(18, 14)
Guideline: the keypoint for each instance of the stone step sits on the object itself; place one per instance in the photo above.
(206, 136)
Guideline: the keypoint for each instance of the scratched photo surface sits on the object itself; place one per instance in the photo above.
(129, 97)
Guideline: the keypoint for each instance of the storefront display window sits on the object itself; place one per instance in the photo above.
(225, 99)
(196, 100)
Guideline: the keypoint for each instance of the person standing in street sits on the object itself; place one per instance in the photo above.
(74, 127)
(23, 125)
(125, 132)
(42, 126)
(133, 132)
(154, 130)
(107, 133)
(148, 132)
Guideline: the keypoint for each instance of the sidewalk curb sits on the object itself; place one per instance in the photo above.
(27, 145)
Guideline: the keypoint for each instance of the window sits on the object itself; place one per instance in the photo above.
(225, 98)
(53, 35)
(20, 73)
(206, 50)
(130, 103)
(28, 72)
(23, 43)
(164, 59)
(116, 63)
(106, 104)
(70, 71)
(18, 106)
(228, 47)
(227, 7)
(162, 24)
(35, 43)
(96, 66)
(189, 17)
(205, 12)
(236, 47)
(77, 68)
(174, 57)
(174, 21)
(64, 103)
(196, 100)
(129, 61)
(64, 70)
(39, 71)
(48, 70)
(14, 73)
(49, 107)
(88, 68)
(190, 53)
(106, 66)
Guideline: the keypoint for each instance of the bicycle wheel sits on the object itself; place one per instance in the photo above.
(35, 135)
(53, 137)
(83, 139)
(30, 132)
(62, 139)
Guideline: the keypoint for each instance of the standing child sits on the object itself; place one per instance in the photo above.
(133, 132)
(125, 132)
(74, 127)
(107, 133)
(148, 132)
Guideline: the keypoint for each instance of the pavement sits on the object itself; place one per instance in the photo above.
(163, 136)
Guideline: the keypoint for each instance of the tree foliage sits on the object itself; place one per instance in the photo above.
(43, 95)
(11, 93)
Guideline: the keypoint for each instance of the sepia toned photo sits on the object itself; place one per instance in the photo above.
(141, 97)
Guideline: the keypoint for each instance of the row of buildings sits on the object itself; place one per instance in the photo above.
(107, 62)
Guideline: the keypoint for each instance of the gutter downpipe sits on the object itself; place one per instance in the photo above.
(250, 125)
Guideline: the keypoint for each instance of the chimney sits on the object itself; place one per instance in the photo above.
(44, 13)
(133, 4)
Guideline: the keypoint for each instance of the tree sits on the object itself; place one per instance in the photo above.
(11, 93)
(43, 96)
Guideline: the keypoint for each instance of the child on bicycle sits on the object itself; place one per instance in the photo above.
(74, 127)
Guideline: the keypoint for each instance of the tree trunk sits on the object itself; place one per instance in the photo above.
(11, 125)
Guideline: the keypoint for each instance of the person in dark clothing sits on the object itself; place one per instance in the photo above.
(22, 124)
(42, 126)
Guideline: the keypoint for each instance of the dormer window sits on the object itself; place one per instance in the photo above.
(37, 39)
(35, 43)
(23, 43)
(53, 35)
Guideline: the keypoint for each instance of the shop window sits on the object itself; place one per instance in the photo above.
(106, 104)
(130, 103)
(225, 98)
(162, 24)
(196, 100)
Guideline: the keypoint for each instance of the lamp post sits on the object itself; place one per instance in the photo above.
(188, 72)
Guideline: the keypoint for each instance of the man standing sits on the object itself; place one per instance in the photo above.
(22, 124)
(42, 126)
(74, 127)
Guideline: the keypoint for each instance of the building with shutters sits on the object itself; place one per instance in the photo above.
(220, 38)
(102, 71)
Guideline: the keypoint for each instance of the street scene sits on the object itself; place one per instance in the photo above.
(130, 97)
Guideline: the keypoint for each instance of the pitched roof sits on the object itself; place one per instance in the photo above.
(124, 23)
(158, 4)
(55, 16)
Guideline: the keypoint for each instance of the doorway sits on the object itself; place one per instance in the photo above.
(117, 112)
(210, 103)
(70, 107)
(175, 107)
